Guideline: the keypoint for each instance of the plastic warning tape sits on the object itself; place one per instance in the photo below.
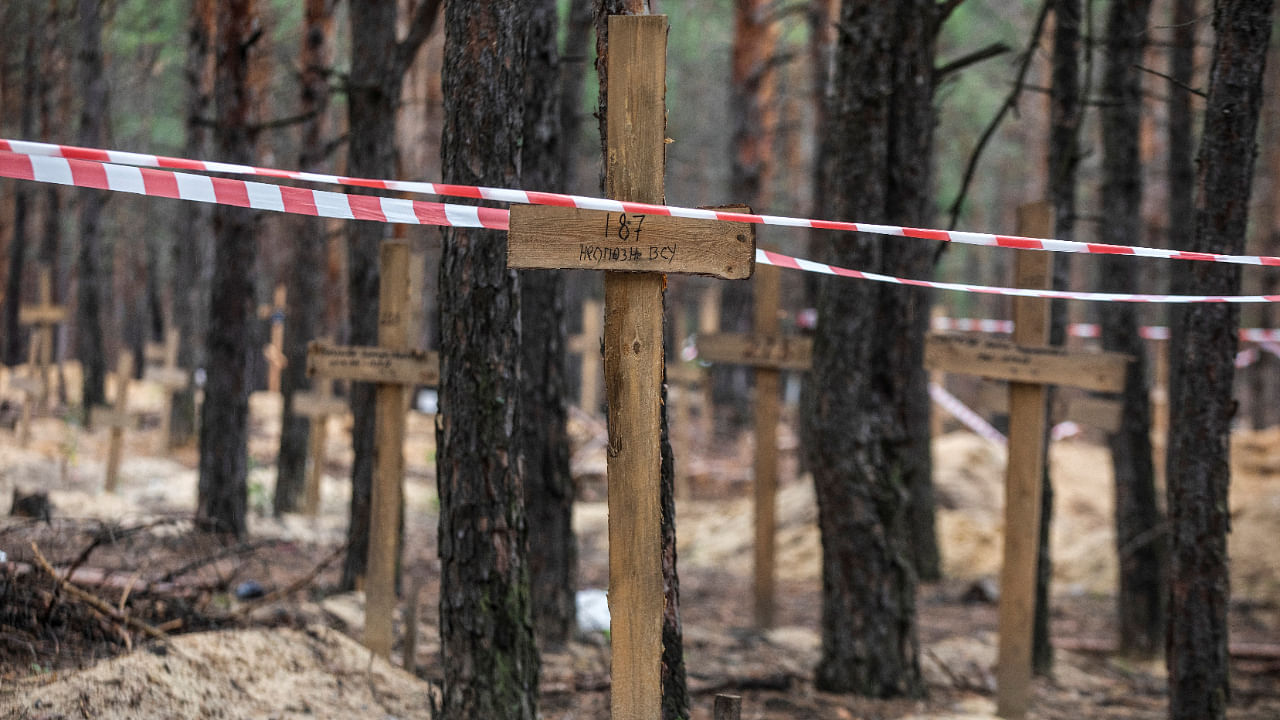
(766, 257)
(1085, 330)
(966, 415)
(593, 203)
(279, 198)
(244, 193)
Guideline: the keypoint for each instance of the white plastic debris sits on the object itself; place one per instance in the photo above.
(592, 607)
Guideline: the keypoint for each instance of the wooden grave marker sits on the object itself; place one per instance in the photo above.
(1029, 366)
(117, 417)
(394, 368)
(274, 351)
(161, 367)
(636, 248)
(690, 378)
(42, 318)
(769, 352)
(317, 405)
(586, 345)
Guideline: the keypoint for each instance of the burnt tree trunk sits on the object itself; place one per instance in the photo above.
(224, 423)
(544, 440)
(867, 433)
(486, 622)
(193, 244)
(1140, 536)
(378, 65)
(306, 273)
(675, 690)
(1202, 370)
(93, 265)
(22, 196)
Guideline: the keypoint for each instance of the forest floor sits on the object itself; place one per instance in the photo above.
(295, 657)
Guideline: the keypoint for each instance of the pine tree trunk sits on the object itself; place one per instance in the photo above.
(94, 278)
(22, 199)
(1202, 369)
(866, 434)
(306, 272)
(548, 487)
(224, 426)
(1139, 533)
(486, 623)
(193, 244)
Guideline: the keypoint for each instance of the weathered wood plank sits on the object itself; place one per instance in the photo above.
(761, 349)
(373, 364)
(1001, 359)
(558, 237)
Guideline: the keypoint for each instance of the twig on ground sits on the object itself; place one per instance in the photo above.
(292, 587)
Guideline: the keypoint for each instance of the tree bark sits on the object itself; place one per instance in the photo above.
(224, 425)
(93, 260)
(22, 193)
(1139, 526)
(306, 272)
(867, 432)
(1202, 370)
(486, 623)
(378, 65)
(548, 486)
(193, 244)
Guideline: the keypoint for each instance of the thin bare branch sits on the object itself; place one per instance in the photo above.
(993, 50)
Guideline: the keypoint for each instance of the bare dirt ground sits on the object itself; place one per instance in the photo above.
(294, 657)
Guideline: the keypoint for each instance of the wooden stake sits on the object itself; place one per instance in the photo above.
(768, 385)
(162, 368)
(117, 419)
(1023, 477)
(388, 455)
(274, 352)
(587, 346)
(728, 707)
(317, 405)
(633, 357)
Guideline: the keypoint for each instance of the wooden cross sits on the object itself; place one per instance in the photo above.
(161, 361)
(42, 318)
(117, 418)
(274, 352)
(769, 352)
(637, 248)
(317, 405)
(691, 380)
(394, 368)
(1030, 367)
(587, 346)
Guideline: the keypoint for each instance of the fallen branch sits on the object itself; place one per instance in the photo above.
(293, 587)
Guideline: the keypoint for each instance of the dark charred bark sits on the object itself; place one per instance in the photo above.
(1139, 527)
(193, 244)
(306, 272)
(224, 424)
(548, 487)
(93, 261)
(486, 622)
(378, 65)
(1202, 369)
(866, 434)
(22, 199)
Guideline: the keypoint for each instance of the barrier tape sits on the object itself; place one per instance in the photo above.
(1087, 330)
(244, 193)
(966, 415)
(591, 203)
(321, 203)
(765, 257)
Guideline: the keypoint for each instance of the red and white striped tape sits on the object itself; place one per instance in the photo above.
(1087, 330)
(966, 415)
(765, 257)
(279, 198)
(591, 203)
(243, 193)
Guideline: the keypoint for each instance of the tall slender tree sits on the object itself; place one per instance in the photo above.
(486, 628)
(224, 424)
(90, 270)
(866, 434)
(193, 240)
(1139, 526)
(378, 65)
(22, 194)
(306, 272)
(548, 486)
(1202, 370)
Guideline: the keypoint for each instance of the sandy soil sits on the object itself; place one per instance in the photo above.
(295, 658)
